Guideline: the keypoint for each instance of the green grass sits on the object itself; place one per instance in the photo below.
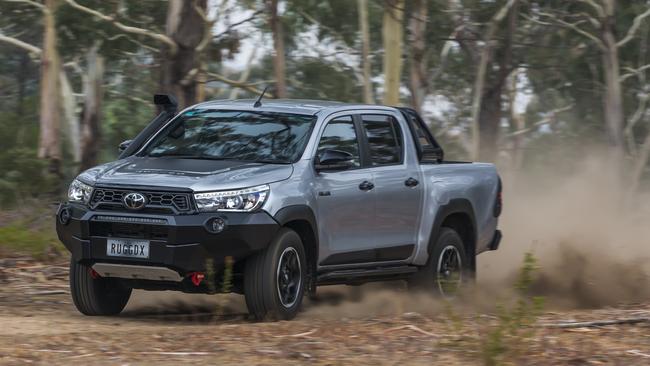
(516, 323)
(19, 237)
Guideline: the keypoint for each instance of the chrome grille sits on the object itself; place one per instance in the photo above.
(112, 199)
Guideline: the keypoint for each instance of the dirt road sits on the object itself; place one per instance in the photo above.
(38, 324)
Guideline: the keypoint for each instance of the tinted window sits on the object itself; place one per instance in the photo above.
(384, 139)
(339, 134)
(236, 135)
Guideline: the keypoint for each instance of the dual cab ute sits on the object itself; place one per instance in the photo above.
(275, 199)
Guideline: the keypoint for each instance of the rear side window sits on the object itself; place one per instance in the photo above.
(340, 134)
(384, 139)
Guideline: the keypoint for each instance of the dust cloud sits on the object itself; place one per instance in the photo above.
(590, 237)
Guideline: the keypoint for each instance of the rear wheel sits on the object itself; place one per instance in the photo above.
(448, 268)
(274, 279)
(94, 295)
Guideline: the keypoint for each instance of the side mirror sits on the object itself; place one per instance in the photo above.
(333, 160)
(124, 145)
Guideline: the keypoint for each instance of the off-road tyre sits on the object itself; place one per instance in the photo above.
(270, 279)
(437, 276)
(93, 295)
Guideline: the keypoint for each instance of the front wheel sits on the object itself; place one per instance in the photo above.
(94, 295)
(274, 279)
(448, 268)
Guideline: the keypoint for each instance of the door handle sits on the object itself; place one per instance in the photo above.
(366, 186)
(411, 182)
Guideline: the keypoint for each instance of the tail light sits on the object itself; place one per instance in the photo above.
(498, 204)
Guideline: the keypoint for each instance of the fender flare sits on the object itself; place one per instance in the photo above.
(297, 212)
(456, 205)
(303, 213)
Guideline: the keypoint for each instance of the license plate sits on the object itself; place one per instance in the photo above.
(127, 248)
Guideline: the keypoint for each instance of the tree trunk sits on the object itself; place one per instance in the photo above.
(489, 123)
(392, 33)
(49, 146)
(418, 76)
(234, 93)
(639, 165)
(614, 115)
(485, 114)
(201, 79)
(492, 101)
(21, 80)
(185, 26)
(90, 122)
(279, 63)
(368, 96)
(517, 123)
(69, 105)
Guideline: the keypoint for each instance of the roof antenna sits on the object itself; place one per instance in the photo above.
(258, 102)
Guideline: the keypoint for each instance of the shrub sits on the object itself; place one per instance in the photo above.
(516, 322)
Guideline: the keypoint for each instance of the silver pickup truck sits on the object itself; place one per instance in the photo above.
(272, 200)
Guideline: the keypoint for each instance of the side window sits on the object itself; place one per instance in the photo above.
(384, 139)
(340, 134)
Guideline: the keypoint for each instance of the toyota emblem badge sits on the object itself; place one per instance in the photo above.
(135, 201)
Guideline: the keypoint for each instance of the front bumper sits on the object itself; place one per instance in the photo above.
(179, 242)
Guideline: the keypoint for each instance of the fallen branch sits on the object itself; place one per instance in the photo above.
(598, 323)
(176, 353)
(46, 292)
(636, 352)
(413, 328)
(304, 334)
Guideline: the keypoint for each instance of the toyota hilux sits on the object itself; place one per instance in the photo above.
(276, 198)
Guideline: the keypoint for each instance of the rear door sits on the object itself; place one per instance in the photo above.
(398, 191)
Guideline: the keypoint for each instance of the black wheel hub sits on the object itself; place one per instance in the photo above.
(450, 271)
(289, 277)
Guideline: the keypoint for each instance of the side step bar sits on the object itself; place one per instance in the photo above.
(137, 272)
(359, 276)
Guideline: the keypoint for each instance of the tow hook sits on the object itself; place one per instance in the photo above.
(196, 277)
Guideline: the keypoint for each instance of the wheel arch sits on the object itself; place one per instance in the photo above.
(301, 219)
(458, 215)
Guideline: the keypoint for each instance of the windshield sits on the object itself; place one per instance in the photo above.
(234, 135)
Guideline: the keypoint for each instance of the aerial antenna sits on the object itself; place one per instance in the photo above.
(258, 102)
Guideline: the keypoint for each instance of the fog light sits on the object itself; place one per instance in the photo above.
(215, 225)
(64, 216)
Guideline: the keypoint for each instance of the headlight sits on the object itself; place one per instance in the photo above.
(242, 200)
(79, 192)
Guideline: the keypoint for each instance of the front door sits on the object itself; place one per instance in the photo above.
(345, 199)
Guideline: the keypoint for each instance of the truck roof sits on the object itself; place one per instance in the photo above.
(298, 106)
